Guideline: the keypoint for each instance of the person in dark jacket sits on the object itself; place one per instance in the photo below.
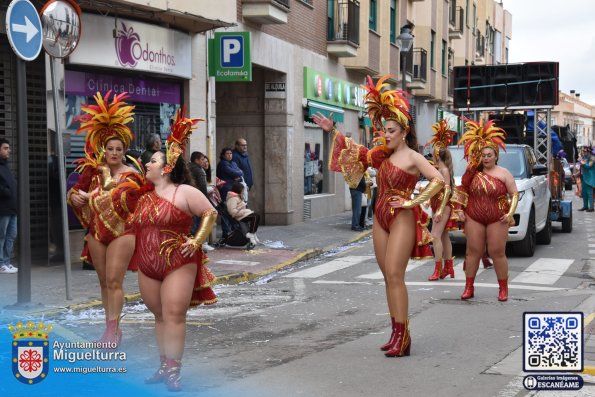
(228, 171)
(198, 173)
(8, 209)
(240, 157)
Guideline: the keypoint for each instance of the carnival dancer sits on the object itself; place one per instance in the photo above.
(398, 232)
(103, 200)
(488, 213)
(444, 216)
(172, 272)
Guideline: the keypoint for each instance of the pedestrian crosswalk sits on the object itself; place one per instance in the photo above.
(541, 275)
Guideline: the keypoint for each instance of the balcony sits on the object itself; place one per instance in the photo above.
(480, 48)
(416, 68)
(265, 11)
(343, 29)
(456, 23)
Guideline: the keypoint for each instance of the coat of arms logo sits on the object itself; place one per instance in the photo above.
(30, 351)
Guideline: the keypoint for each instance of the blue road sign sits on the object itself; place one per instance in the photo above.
(23, 28)
(232, 51)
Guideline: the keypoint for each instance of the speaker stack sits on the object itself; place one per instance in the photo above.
(513, 124)
(528, 85)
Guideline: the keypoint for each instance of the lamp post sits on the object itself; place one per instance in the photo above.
(405, 42)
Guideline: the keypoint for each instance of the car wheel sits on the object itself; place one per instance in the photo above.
(567, 224)
(526, 247)
(545, 236)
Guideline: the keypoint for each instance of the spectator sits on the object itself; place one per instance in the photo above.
(198, 173)
(228, 172)
(153, 145)
(236, 207)
(240, 157)
(8, 209)
(356, 205)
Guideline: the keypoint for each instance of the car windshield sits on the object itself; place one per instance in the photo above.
(512, 160)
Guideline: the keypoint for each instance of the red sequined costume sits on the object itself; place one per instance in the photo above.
(453, 220)
(488, 197)
(108, 212)
(351, 159)
(158, 223)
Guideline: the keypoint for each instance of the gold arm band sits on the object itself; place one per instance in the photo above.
(431, 190)
(514, 202)
(445, 199)
(207, 221)
(108, 182)
(459, 197)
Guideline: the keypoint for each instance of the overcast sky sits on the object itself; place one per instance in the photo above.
(560, 31)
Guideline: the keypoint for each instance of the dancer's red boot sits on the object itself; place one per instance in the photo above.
(393, 336)
(469, 290)
(503, 294)
(437, 271)
(448, 269)
(159, 375)
(173, 377)
(402, 345)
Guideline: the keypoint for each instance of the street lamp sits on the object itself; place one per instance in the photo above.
(405, 42)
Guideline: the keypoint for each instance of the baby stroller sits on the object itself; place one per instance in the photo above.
(237, 238)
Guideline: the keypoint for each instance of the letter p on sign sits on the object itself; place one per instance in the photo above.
(232, 51)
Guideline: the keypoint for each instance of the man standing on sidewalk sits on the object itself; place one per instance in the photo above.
(240, 157)
(8, 209)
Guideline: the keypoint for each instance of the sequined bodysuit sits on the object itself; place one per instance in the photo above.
(158, 223)
(488, 199)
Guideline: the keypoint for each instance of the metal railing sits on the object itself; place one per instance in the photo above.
(344, 25)
(420, 64)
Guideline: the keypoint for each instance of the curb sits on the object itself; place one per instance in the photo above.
(231, 278)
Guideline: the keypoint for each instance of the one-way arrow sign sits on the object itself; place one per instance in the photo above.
(23, 28)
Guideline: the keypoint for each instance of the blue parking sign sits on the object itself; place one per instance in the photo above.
(232, 51)
(23, 28)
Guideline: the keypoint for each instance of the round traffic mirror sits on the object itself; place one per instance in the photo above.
(61, 23)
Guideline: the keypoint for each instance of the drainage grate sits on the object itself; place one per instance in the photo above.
(307, 210)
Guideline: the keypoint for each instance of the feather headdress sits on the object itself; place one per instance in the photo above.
(480, 135)
(104, 121)
(442, 136)
(175, 143)
(384, 104)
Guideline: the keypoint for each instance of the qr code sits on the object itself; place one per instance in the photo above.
(553, 342)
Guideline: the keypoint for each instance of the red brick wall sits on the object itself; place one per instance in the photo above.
(306, 25)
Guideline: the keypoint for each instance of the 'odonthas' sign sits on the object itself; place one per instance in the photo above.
(229, 56)
(136, 46)
(23, 28)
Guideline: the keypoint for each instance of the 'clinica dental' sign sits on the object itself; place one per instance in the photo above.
(124, 44)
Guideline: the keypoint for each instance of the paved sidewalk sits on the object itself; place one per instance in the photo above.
(282, 246)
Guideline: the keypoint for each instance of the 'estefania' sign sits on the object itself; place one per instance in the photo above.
(137, 46)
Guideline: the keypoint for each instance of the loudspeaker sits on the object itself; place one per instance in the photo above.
(504, 88)
(540, 83)
(466, 78)
(513, 124)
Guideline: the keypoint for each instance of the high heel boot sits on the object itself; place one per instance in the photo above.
(159, 375)
(448, 268)
(172, 374)
(437, 271)
(503, 294)
(469, 290)
(114, 332)
(393, 336)
(402, 345)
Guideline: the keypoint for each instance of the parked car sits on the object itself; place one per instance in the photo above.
(532, 223)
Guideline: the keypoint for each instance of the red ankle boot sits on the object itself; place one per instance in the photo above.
(159, 375)
(393, 336)
(113, 333)
(172, 374)
(503, 295)
(448, 269)
(437, 271)
(402, 345)
(468, 293)
(487, 262)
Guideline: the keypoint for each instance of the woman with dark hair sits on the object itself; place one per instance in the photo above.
(236, 207)
(488, 213)
(398, 230)
(172, 271)
(228, 171)
(104, 198)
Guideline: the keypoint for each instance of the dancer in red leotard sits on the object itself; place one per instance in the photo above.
(488, 212)
(172, 273)
(399, 230)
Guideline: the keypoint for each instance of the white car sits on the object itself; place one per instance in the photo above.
(532, 222)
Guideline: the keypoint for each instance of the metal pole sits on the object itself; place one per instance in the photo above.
(62, 170)
(23, 218)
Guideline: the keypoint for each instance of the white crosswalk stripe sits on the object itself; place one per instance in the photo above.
(537, 277)
(330, 267)
(544, 271)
